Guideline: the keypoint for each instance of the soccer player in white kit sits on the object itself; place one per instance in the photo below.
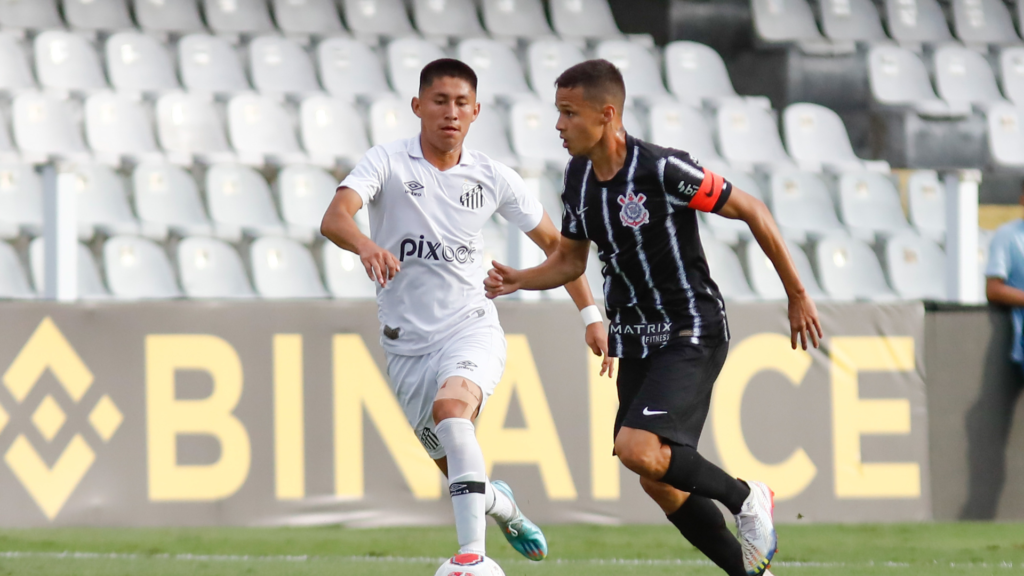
(429, 199)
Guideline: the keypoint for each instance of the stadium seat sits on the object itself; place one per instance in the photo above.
(926, 200)
(190, 126)
(816, 139)
(533, 134)
(305, 192)
(1005, 139)
(240, 202)
(725, 229)
(963, 76)
(90, 283)
(983, 22)
(406, 58)
(13, 283)
(332, 131)
(639, 68)
(30, 15)
(138, 269)
(102, 201)
(161, 16)
(497, 68)
(211, 268)
(748, 136)
(764, 279)
(167, 200)
(345, 275)
(849, 270)
(583, 19)
(210, 64)
(392, 119)
(684, 128)
(350, 69)
(851, 20)
(515, 18)
(67, 61)
(118, 127)
(696, 75)
(447, 18)
(546, 60)
(139, 63)
(314, 17)
(916, 267)
(784, 21)
(489, 135)
(97, 15)
(15, 73)
(44, 126)
(283, 268)
(870, 206)
(899, 78)
(280, 66)
(633, 125)
(1011, 73)
(916, 22)
(237, 16)
(370, 18)
(725, 268)
(802, 206)
(21, 200)
(7, 151)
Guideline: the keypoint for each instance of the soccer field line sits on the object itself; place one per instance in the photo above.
(241, 558)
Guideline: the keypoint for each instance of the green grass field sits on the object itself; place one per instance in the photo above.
(899, 550)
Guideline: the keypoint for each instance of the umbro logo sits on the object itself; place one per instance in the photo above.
(472, 196)
(414, 188)
(466, 365)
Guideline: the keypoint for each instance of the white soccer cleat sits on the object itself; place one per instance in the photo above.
(756, 527)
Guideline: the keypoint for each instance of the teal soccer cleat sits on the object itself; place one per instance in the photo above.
(525, 536)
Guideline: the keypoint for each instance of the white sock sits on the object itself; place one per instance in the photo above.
(499, 506)
(466, 482)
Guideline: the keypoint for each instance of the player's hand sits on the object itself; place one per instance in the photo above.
(381, 265)
(803, 321)
(501, 280)
(597, 339)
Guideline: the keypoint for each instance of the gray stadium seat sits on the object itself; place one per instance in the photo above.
(851, 20)
(97, 15)
(283, 268)
(515, 18)
(377, 18)
(725, 229)
(926, 200)
(161, 16)
(210, 64)
(1005, 140)
(639, 68)
(138, 269)
(489, 134)
(748, 136)
(102, 201)
(90, 283)
(332, 131)
(916, 21)
(497, 69)
(684, 128)
(406, 58)
(211, 268)
(1011, 72)
(963, 76)
(849, 270)
(237, 16)
(167, 200)
(870, 206)
(280, 66)
(583, 19)
(899, 78)
(240, 202)
(392, 119)
(13, 283)
(44, 125)
(765, 280)
(117, 126)
(803, 206)
(697, 76)
(139, 63)
(916, 267)
(546, 60)
(15, 72)
(67, 61)
(345, 275)
(305, 192)
(30, 15)
(533, 134)
(725, 268)
(21, 200)
(350, 69)
(983, 22)
(7, 151)
(188, 126)
(314, 17)
(816, 138)
(784, 21)
(453, 18)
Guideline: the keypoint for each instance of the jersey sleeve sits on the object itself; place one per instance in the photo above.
(571, 226)
(999, 256)
(689, 184)
(369, 175)
(515, 203)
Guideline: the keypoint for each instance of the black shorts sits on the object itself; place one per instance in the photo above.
(669, 392)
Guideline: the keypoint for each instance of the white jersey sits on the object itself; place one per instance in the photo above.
(432, 222)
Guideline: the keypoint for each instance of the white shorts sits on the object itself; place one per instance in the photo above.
(476, 353)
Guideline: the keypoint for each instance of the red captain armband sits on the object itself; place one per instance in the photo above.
(708, 193)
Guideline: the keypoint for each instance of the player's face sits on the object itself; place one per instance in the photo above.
(580, 123)
(446, 109)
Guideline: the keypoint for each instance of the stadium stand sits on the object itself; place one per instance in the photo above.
(869, 206)
(210, 64)
(211, 268)
(733, 231)
(240, 202)
(499, 74)
(546, 59)
(190, 128)
(639, 69)
(102, 202)
(1011, 73)
(851, 21)
(533, 138)
(21, 200)
(748, 137)
(696, 75)
(583, 19)
(90, 283)
(138, 269)
(13, 283)
(332, 131)
(139, 63)
(350, 69)
(118, 128)
(308, 17)
(97, 15)
(817, 139)
(849, 270)
(262, 131)
(344, 273)
(515, 18)
(727, 271)
(44, 127)
(965, 76)
(765, 280)
(304, 193)
(167, 201)
(918, 22)
(406, 57)
(916, 267)
(369, 19)
(802, 206)
(926, 199)
(281, 66)
(30, 15)
(237, 16)
(391, 119)
(67, 61)
(682, 127)
(15, 73)
(982, 22)
(283, 268)
(450, 18)
(155, 16)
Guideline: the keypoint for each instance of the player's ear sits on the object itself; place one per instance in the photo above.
(608, 113)
(416, 106)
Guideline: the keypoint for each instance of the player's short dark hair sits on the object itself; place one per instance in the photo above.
(600, 80)
(446, 68)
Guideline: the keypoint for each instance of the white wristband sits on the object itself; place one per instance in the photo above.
(591, 314)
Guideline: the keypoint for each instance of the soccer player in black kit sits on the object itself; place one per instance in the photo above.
(638, 202)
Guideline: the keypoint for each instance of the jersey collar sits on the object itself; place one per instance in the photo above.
(415, 149)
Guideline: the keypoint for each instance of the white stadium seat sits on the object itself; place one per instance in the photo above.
(210, 64)
(371, 18)
(262, 131)
(315, 17)
(102, 201)
(640, 70)
(916, 267)
(67, 61)
(748, 136)
(926, 199)
(161, 16)
(281, 66)
(138, 269)
(350, 69)
(238, 16)
(189, 125)
(849, 270)
(21, 200)
(345, 275)
(15, 72)
(533, 134)
(498, 72)
(727, 271)
(167, 200)
(406, 58)
(97, 15)
(765, 279)
(545, 61)
(240, 202)
(30, 15)
(515, 18)
(284, 269)
(682, 127)
(802, 206)
(392, 119)
(90, 283)
(117, 127)
(13, 282)
(304, 192)
(454, 18)
(489, 134)
(870, 205)
(44, 125)
(583, 19)
(332, 131)
(211, 268)
(139, 63)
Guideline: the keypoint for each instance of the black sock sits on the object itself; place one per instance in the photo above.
(702, 524)
(690, 472)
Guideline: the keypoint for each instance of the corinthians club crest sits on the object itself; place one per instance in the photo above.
(633, 213)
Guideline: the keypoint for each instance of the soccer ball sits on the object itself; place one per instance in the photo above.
(469, 565)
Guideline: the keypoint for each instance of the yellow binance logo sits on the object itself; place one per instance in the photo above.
(49, 486)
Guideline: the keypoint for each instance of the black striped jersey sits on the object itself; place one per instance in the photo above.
(644, 222)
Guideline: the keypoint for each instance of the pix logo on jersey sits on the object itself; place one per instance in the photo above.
(427, 250)
(633, 213)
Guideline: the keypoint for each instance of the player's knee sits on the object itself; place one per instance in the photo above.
(638, 458)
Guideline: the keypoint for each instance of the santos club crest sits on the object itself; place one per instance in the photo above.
(633, 213)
